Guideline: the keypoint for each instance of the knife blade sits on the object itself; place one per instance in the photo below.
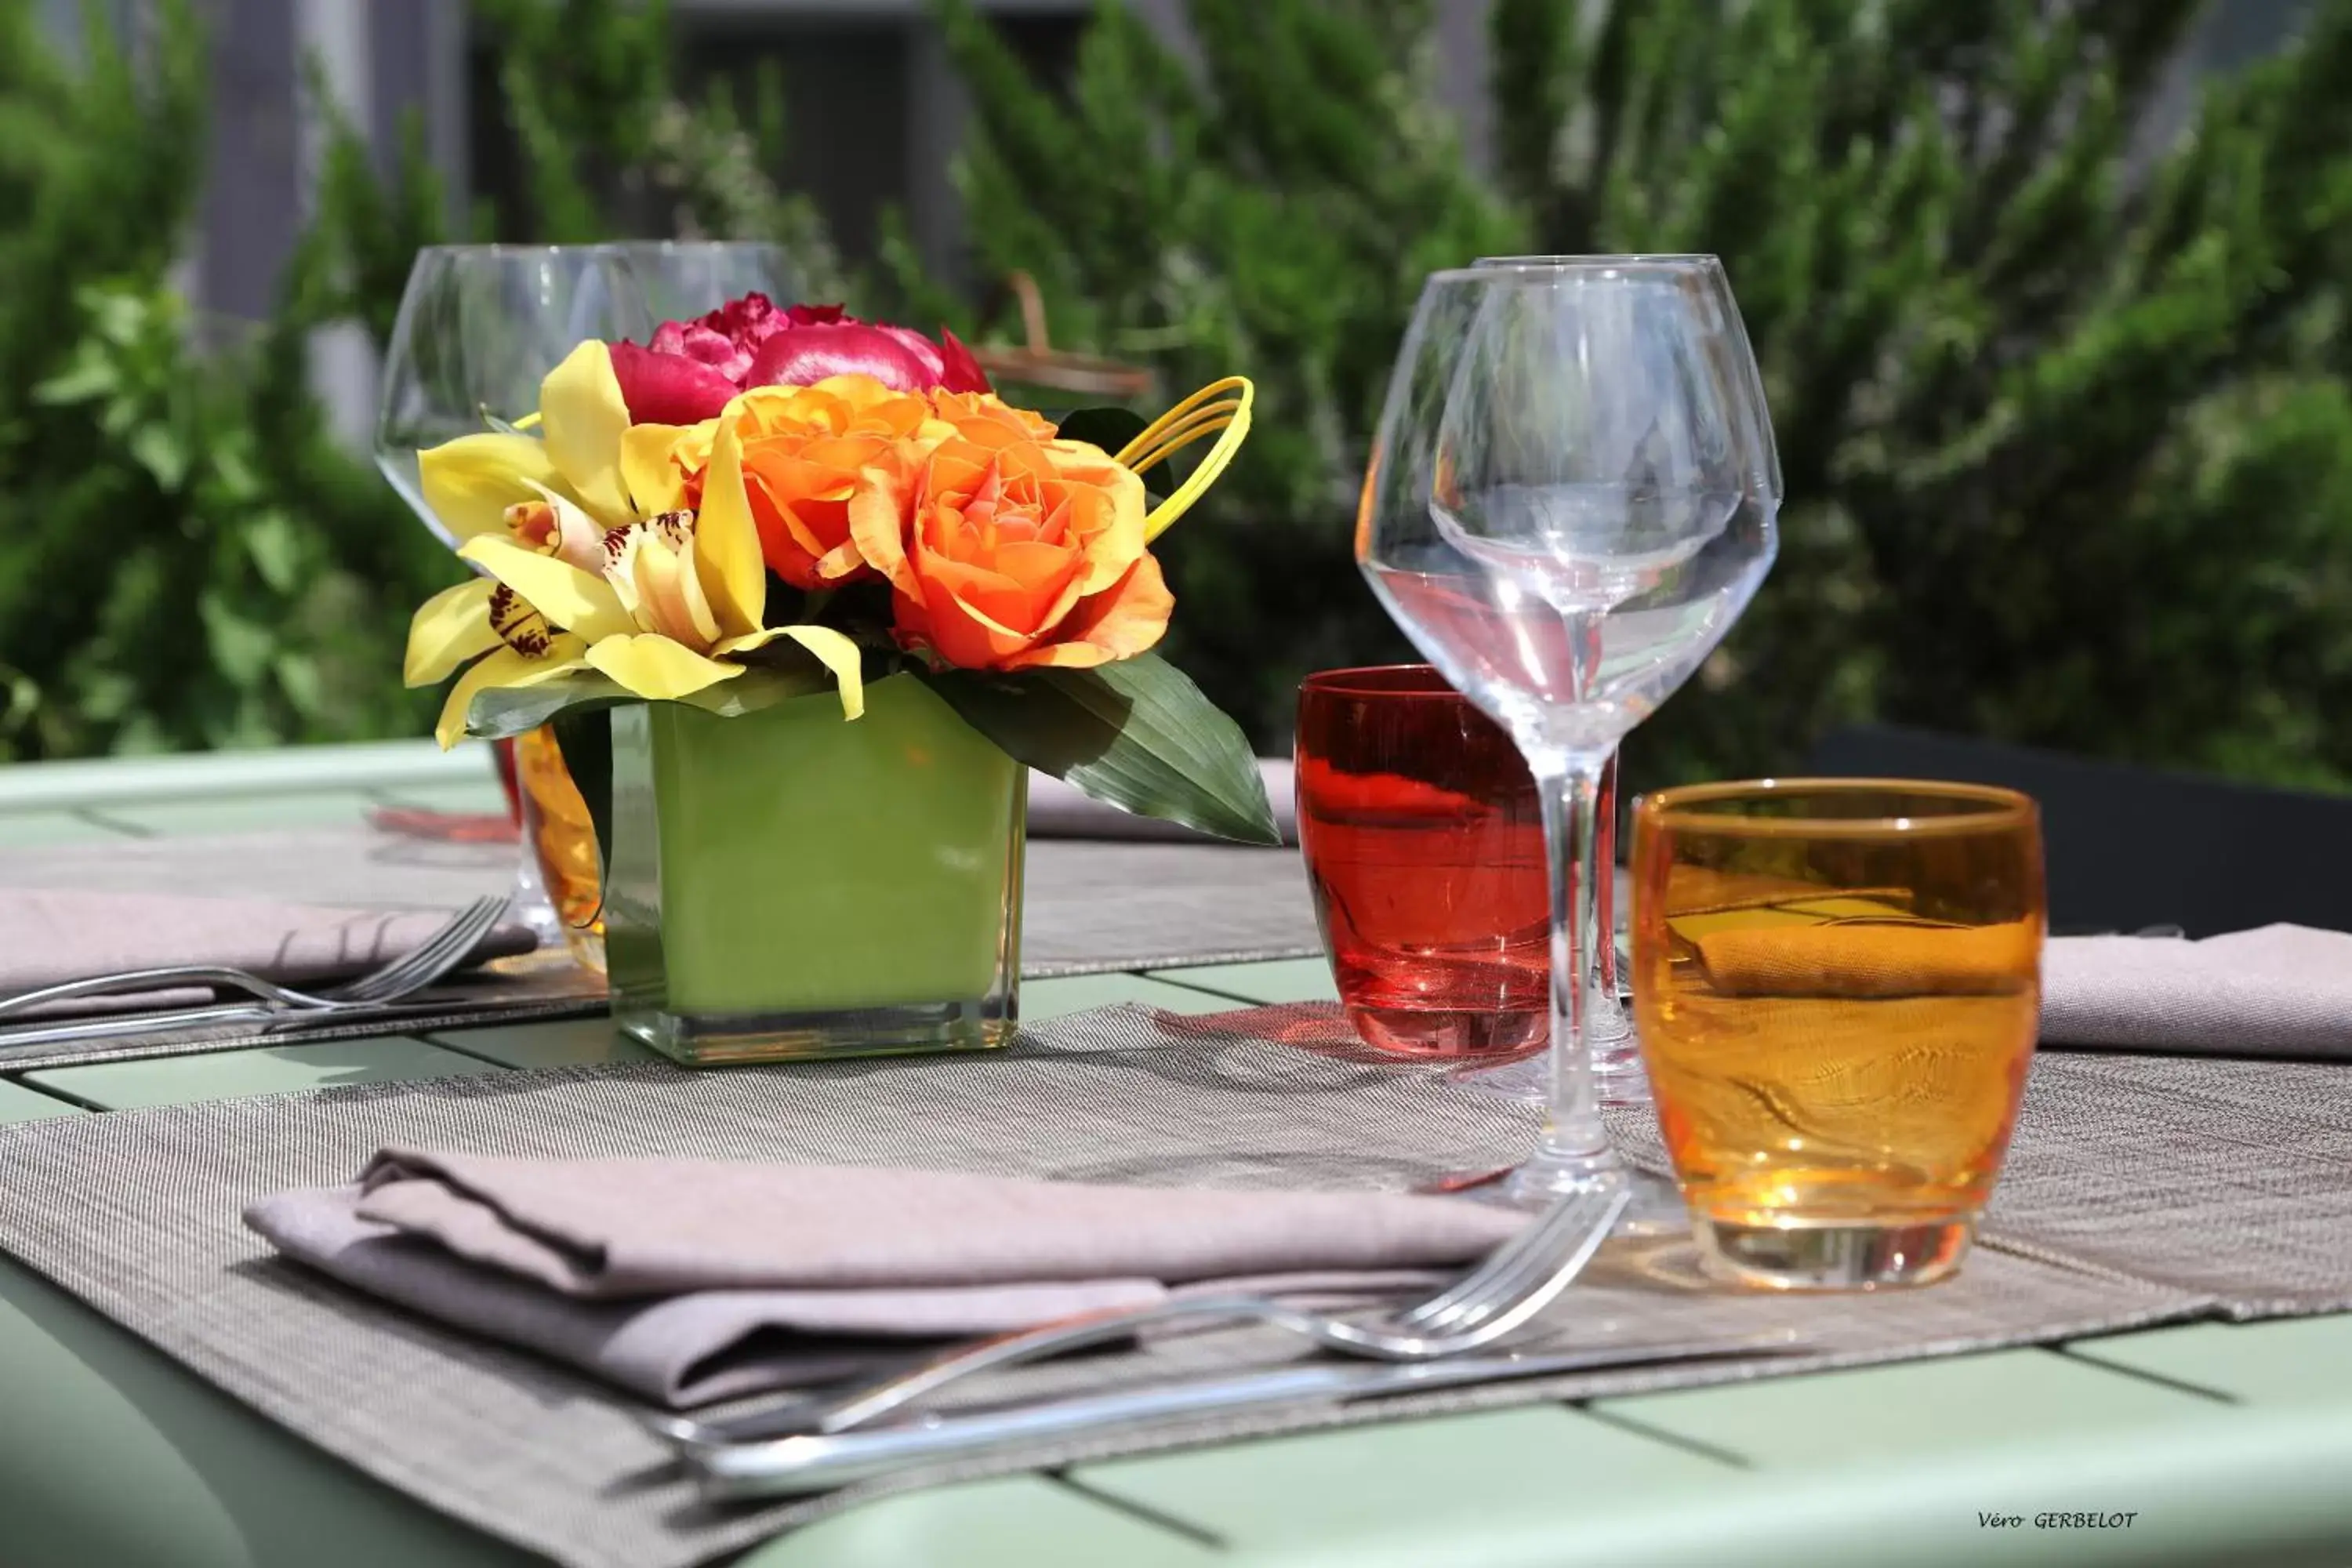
(802, 1464)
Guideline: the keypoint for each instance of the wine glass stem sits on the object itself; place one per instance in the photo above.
(1575, 1143)
(1604, 879)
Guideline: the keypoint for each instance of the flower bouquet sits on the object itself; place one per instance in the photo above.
(802, 600)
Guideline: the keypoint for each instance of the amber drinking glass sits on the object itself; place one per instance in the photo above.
(562, 840)
(1422, 836)
(1837, 983)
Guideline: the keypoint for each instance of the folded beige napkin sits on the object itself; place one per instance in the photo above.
(2280, 988)
(692, 1280)
(1058, 811)
(49, 935)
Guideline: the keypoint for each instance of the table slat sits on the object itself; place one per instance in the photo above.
(1013, 1521)
(111, 1453)
(270, 1069)
(2233, 1487)
(1275, 980)
(22, 829)
(18, 1104)
(1917, 1408)
(482, 797)
(312, 808)
(1044, 999)
(557, 1043)
(2294, 1361)
(1443, 1481)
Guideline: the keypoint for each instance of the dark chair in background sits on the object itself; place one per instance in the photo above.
(2133, 848)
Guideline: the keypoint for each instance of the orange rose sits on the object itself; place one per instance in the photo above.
(818, 459)
(1022, 552)
(974, 414)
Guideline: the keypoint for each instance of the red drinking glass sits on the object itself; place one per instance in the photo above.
(1423, 841)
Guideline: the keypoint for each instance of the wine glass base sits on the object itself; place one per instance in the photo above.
(1621, 1080)
(1658, 1208)
(528, 903)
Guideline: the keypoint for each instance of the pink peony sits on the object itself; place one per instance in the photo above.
(691, 368)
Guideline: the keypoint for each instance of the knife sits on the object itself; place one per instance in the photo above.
(795, 1466)
(295, 1021)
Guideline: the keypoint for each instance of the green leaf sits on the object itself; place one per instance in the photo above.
(585, 735)
(1137, 734)
(1107, 426)
(762, 686)
(299, 677)
(500, 425)
(1111, 427)
(89, 377)
(240, 647)
(502, 712)
(275, 546)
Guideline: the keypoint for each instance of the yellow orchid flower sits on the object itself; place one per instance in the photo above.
(667, 599)
(478, 618)
(584, 575)
(469, 482)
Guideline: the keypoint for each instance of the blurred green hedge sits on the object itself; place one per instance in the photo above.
(2064, 416)
(2064, 419)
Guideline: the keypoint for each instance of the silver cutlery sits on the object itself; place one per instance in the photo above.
(404, 976)
(813, 1462)
(1517, 1280)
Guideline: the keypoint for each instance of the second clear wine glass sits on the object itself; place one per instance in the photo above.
(1572, 496)
(479, 327)
(679, 280)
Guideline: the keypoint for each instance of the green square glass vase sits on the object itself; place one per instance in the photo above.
(787, 885)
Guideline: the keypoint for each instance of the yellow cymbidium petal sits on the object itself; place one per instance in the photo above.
(656, 669)
(726, 540)
(503, 667)
(469, 482)
(584, 420)
(575, 600)
(579, 538)
(831, 650)
(448, 630)
(654, 483)
(659, 585)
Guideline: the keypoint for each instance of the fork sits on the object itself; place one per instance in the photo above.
(1517, 1280)
(412, 972)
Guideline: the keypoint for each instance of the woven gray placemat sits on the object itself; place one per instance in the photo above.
(1090, 907)
(1090, 904)
(137, 1214)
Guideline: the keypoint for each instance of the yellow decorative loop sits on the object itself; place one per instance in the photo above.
(1206, 411)
(1185, 431)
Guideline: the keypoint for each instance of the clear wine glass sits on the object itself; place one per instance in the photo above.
(1615, 1047)
(1572, 496)
(681, 278)
(479, 327)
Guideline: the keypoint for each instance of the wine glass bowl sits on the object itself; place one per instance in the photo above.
(679, 280)
(479, 327)
(1573, 494)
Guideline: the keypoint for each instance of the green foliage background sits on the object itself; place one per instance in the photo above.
(2065, 418)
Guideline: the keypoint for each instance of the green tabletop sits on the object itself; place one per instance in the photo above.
(2223, 1443)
